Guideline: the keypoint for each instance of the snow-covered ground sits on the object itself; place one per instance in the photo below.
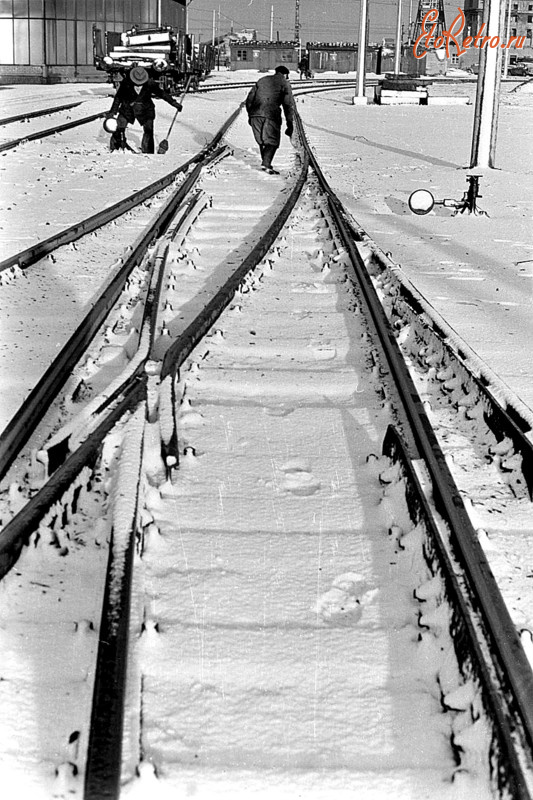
(374, 157)
(477, 271)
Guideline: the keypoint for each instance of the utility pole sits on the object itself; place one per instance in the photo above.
(360, 97)
(271, 23)
(488, 89)
(218, 38)
(214, 27)
(297, 28)
(507, 34)
(398, 45)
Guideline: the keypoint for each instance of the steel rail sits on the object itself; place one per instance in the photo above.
(58, 448)
(310, 82)
(30, 255)
(104, 751)
(26, 419)
(31, 137)
(515, 673)
(25, 258)
(185, 343)
(104, 754)
(466, 627)
(18, 531)
(43, 112)
(503, 419)
(133, 390)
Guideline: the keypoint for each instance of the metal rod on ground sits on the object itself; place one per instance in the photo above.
(163, 144)
(488, 89)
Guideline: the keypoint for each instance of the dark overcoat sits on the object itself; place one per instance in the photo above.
(132, 105)
(269, 95)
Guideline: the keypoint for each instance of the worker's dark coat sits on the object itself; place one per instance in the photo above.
(141, 106)
(269, 95)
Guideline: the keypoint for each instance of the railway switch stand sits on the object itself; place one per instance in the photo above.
(422, 201)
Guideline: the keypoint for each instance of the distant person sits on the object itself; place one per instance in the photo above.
(263, 104)
(303, 66)
(133, 101)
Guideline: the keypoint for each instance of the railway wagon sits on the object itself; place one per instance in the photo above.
(170, 56)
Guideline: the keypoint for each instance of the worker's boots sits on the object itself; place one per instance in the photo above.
(118, 141)
(268, 153)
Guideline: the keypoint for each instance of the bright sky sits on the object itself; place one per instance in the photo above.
(320, 20)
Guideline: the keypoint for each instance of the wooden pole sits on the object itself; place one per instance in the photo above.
(488, 88)
(271, 23)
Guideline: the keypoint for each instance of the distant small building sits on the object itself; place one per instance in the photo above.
(342, 57)
(332, 56)
(263, 56)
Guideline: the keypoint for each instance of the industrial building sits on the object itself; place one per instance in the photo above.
(51, 41)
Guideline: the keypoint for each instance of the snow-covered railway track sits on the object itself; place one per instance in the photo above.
(61, 127)
(63, 514)
(301, 617)
(43, 112)
(41, 134)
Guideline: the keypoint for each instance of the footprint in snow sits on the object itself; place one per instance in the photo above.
(323, 351)
(298, 478)
(343, 603)
(281, 410)
(312, 288)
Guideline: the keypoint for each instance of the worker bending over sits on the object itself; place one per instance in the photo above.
(133, 101)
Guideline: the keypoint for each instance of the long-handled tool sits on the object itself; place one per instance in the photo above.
(163, 144)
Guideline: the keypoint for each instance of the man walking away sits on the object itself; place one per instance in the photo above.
(263, 104)
(303, 66)
(133, 101)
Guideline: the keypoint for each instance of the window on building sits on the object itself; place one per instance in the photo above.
(20, 9)
(530, 18)
(6, 41)
(21, 41)
(242, 55)
(36, 42)
(36, 8)
(6, 10)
